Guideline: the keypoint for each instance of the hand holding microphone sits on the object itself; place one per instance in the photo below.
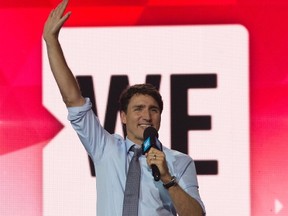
(151, 141)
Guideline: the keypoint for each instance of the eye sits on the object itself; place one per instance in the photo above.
(156, 110)
(138, 108)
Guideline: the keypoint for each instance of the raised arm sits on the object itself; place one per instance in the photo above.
(66, 81)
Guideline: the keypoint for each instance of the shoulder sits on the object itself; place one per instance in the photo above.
(181, 165)
(173, 155)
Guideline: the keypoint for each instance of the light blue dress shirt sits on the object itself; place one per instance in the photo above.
(111, 157)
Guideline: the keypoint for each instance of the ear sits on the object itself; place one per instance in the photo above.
(123, 117)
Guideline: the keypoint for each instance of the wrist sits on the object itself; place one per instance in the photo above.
(166, 178)
(51, 40)
(171, 183)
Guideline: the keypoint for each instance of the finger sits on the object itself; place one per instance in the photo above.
(151, 159)
(152, 156)
(59, 10)
(155, 159)
(64, 18)
(63, 5)
(153, 151)
(156, 153)
(51, 13)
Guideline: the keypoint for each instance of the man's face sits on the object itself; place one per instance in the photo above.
(142, 111)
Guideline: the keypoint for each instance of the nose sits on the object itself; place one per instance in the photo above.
(146, 115)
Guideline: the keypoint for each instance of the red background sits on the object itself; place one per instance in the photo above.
(26, 124)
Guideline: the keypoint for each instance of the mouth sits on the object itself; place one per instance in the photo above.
(144, 126)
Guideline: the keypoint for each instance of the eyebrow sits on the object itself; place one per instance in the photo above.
(143, 105)
(138, 106)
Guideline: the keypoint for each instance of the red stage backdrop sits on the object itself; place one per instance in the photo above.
(41, 160)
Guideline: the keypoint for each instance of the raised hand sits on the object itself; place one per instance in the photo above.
(55, 21)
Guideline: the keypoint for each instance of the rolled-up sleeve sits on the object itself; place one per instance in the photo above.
(189, 182)
(88, 128)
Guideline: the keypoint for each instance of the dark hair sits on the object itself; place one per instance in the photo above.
(144, 89)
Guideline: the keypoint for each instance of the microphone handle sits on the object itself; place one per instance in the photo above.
(155, 172)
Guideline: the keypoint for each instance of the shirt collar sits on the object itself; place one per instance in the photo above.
(129, 144)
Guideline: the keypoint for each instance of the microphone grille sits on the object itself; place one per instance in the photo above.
(150, 132)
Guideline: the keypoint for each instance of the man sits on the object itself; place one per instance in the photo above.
(140, 107)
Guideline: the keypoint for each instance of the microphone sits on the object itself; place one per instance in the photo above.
(151, 140)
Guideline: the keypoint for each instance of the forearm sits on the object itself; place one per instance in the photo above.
(65, 80)
(184, 204)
